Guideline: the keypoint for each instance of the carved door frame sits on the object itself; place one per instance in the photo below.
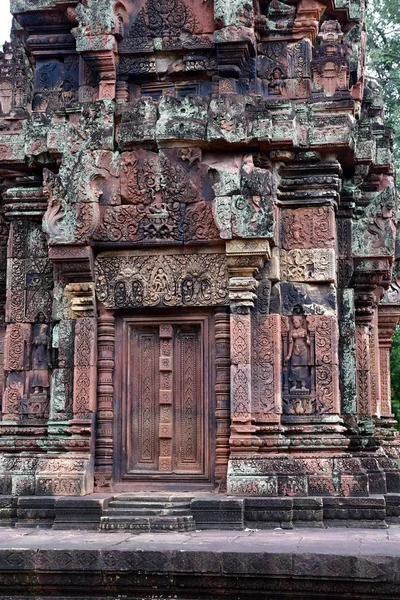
(128, 482)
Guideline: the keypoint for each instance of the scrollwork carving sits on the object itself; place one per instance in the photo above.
(165, 196)
(124, 281)
(166, 19)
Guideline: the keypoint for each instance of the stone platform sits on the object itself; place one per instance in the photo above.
(141, 513)
(299, 564)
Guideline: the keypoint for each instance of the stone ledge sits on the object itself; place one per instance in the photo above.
(211, 512)
(286, 564)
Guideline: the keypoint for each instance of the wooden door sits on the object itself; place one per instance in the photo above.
(166, 421)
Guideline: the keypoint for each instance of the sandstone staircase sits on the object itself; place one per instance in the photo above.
(140, 513)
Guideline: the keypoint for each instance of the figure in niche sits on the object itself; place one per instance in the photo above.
(377, 226)
(6, 94)
(39, 380)
(276, 84)
(298, 357)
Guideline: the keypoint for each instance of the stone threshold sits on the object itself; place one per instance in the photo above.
(302, 565)
(209, 511)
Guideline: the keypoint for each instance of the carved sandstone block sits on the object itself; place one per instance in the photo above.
(308, 228)
(317, 264)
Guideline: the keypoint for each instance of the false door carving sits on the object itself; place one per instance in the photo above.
(166, 423)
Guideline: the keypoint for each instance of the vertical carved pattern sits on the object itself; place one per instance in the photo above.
(241, 364)
(105, 396)
(146, 397)
(384, 360)
(85, 367)
(363, 370)
(222, 393)
(17, 340)
(375, 379)
(2, 340)
(326, 360)
(266, 353)
(188, 398)
(166, 408)
(190, 414)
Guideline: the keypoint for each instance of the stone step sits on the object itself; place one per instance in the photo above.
(142, 524)
(150, 505)
(162, 498)
(125, 511)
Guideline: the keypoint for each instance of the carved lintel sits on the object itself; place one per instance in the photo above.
(134, 280)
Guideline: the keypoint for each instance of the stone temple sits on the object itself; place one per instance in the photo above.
(198, 283)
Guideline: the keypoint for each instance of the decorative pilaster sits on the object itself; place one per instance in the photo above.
(388, 320)
(222, 394)
(105, 404)
(245, 257)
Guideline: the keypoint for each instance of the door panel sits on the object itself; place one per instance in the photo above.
(189, 416)
(143, 424)
(166, 422)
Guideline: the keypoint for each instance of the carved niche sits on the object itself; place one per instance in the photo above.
(130, 281)
(166, 197)
(310, 371)
(330, 66)
(15, 80)
(56, 83)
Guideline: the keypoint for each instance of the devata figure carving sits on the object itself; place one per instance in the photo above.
(298, 359)
(39, 380)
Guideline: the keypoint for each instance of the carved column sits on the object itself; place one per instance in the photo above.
(27, 344)
(386, 326)
(363, 333)
(105, 401)
(388, 320)
(244, 258)
(376, 398)
(68, 469)
(85, 360)
(366, 279)
(222, 394)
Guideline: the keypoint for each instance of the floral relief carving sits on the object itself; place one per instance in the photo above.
(318, 264)
(308, 228)
(167, 19)
(166, 197)
(124, 281)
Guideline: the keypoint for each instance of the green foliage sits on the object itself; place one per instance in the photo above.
(383, 59)
(395, 374)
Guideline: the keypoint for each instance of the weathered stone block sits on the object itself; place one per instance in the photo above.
(219, 513)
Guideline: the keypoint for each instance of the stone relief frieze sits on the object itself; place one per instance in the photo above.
(129, 281)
